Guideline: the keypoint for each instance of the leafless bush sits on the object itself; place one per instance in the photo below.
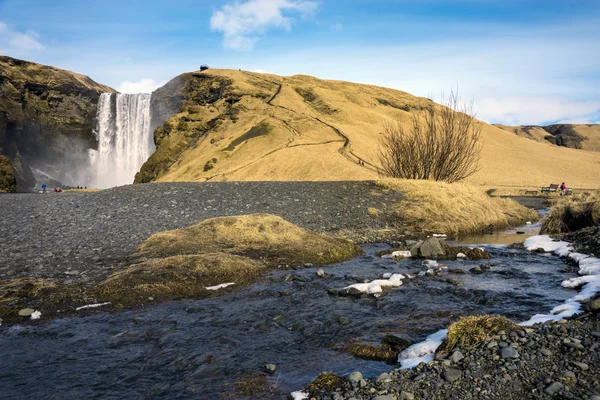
(441, 143)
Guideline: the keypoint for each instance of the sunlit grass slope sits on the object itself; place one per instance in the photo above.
(267, 127)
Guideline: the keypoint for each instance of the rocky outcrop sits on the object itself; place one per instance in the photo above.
(8, 182)
(46, 119)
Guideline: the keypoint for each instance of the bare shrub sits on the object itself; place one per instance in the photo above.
(441, 143)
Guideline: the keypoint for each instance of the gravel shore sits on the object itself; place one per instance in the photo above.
(84, 237)
(557, 360)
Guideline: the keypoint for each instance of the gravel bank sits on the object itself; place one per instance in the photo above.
(84, 237)
(554, 360)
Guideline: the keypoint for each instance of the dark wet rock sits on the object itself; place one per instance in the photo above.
(476, 270)
(395, 342)
(457, 271)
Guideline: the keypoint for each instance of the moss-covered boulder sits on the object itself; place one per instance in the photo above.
(260, 236)
(177, 277)
(8, 182)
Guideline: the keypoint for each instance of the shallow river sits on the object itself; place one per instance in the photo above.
(199, 348)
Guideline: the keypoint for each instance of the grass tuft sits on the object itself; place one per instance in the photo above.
(469, 332)
(573, 213)
(371, 352)
(455, 208)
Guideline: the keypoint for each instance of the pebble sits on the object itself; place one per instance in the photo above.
(406, 396)
(553, 388)
(509, 352)
(582, 366)
(355, 377)
(26, 312)
(321, 273)
(270, 368)
(456, 356)
(452, 375)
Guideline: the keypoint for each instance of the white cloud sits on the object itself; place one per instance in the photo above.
(17, 43)
(242, 23)
(141, 86)
(528, 110)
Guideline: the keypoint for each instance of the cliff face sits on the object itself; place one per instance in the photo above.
(46, 120)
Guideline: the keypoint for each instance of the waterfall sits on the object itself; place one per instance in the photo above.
(124, 136)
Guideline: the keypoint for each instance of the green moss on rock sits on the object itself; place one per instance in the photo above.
(8, 182)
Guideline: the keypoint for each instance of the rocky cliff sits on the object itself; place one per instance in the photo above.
(46, 120)
(575, 136)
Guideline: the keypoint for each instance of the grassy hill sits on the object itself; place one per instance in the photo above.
(576, 136)
(238, 125)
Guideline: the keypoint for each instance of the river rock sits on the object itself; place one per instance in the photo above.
(385, 397)
(321, 273)
(476, 270)
(452, 375)
(553, 388)
(430, 248)
(582, 366)
(395, 342)
(355, 377)
(406, 396)
(509, 352)
(456, 356)
(270, 368)
(26, 312)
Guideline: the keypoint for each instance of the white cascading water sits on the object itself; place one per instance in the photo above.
(124, 139)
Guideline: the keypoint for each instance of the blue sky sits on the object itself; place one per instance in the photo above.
(523, 62)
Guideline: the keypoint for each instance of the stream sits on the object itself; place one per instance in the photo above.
(199, 348)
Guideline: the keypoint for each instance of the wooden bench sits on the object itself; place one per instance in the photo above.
(552, 188)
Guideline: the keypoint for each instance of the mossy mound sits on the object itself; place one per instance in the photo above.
(8, 182)
(177, 277)
(325, 383)
(469, 332)
(260, 236)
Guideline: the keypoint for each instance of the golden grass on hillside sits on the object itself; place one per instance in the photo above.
(303, 144)
(455, 208)
(468, 332)
(572, 213)
(179, 276)
(258, 235)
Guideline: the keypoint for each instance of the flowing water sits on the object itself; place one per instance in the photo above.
(199, 348)
(124, 136)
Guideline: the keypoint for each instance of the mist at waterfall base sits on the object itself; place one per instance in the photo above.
(124, 139)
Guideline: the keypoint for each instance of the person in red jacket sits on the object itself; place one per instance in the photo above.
(563, 189)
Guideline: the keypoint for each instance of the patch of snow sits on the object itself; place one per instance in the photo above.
(439, 235)
(461, 255)
(550, 246)
(387, 275)
(221, 286)
(299, 395)
(376, 286)
(430, 263)
(92, 306)
(398, 254)
(589, 281)
(528, 223)
(36, 315)
(423, 351)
